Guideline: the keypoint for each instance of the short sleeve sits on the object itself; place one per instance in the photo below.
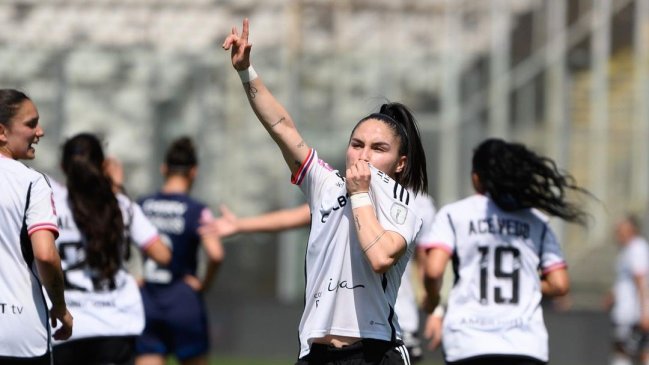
(395, 206)
(41, 213)
(206, 216)
(442, 233)
(639, 257)
(142, 231)
(426, 210)
(314, 175)
(551, 254)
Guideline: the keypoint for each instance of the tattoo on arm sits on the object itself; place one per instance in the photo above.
(358, 223)
(301, 144)
(281, 120)
(297, 163)
(252, 91)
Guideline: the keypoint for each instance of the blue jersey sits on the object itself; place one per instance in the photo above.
(177, 217)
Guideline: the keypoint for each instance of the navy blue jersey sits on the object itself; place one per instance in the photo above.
(177, 217)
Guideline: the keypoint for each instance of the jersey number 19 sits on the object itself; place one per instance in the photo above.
(500, 271)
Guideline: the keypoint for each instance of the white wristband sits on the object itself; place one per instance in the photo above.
(360, 200)
(248, 74)
(439, 311)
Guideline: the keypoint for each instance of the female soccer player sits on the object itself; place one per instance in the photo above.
(176, 317)
(499, 240)
(363, 229)
(406, 307)
(28, 256)
(96, 228)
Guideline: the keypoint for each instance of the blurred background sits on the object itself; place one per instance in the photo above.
(570, 78)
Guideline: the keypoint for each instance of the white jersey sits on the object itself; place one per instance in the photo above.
(494, 307)
(632, 260)
(97, 312)
(344, 296)
(406, 306)
(26, 206)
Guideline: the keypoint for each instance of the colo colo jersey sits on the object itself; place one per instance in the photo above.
(406, 305)
(494, 306)
(101, 311)
(344, 296)
(177, 217)
(632, 260)
(26, 206)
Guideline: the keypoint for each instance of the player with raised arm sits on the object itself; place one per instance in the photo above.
(363, 225)
(500, 240)
(406, 307)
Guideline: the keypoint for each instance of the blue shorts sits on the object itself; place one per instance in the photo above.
(176, 321)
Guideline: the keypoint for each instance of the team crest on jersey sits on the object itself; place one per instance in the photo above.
(398, 213)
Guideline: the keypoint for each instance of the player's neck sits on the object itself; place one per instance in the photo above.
(176, 185)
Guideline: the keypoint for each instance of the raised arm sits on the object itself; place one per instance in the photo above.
(269, 111)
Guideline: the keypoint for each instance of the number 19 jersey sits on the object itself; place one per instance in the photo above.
(494, 307)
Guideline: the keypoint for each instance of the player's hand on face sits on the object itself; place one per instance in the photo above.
(238, 42)
(61, 314)
(358, 177)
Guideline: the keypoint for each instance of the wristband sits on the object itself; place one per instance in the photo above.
(248, 74)
(360, 200)
(439, 311)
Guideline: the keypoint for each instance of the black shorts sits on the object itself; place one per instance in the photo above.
(116, 350)
(363, 352)
(499, 359)
(41, 360)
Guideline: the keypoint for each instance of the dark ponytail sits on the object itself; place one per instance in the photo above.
(94, 206)
(181, 156)
(10, 101)
(403, 123)
(517, 178)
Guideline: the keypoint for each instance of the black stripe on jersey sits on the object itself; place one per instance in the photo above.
(401, 193)
(384, 285)
(541, 246)
(455, 257)
(25, 242)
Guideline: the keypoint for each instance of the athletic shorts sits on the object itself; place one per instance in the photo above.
(630, 338)
(499, 359)
(176, 321)
(115, 350)
(41, 360)
(363, 352)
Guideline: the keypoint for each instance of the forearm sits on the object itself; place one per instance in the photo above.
(432, 286)
(210, 273)
(641, 289)
(276, 221)
(382, 248)
(48, 264)
(555, 284)
(274, 117)
(51, 277)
